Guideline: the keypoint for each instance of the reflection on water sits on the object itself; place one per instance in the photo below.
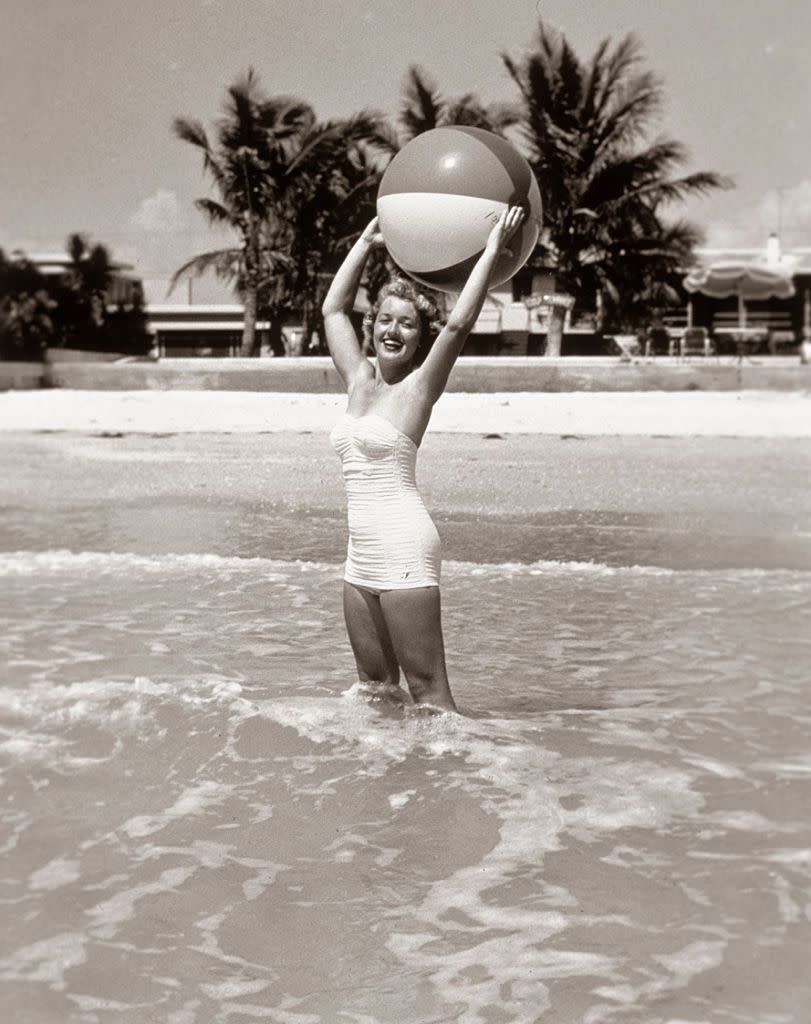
(204, 821)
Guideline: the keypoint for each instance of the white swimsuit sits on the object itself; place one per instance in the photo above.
(393, 543)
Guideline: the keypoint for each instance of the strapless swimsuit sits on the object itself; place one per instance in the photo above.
(393, 543)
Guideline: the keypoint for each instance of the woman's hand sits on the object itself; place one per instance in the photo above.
(504, 228)
(372, 234)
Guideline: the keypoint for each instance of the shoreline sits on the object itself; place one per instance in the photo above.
(723, 503)
(730, 414)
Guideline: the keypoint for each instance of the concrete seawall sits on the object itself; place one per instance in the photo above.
(471, 375)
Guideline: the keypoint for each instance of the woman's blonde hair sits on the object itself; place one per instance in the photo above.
(428, 313)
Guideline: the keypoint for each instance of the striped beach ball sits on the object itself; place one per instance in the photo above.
(441, 195)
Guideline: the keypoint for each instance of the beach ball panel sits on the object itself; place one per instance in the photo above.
(427, 232)
(451, 161)
(510, 159)
(452, 278)
(447, 279)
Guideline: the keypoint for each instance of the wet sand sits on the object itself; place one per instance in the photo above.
(689, 502)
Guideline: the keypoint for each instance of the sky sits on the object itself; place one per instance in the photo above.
(89, 90)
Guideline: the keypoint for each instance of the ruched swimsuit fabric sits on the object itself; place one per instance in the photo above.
(393, 543)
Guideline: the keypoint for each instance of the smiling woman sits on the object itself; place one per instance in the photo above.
(391, 582)
(400, 305)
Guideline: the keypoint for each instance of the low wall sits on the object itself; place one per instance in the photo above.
(20, 376)
(316, 375)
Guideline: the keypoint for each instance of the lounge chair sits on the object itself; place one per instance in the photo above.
(696, 341)
(782, 339)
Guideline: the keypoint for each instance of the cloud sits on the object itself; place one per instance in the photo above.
(160, 213)
(785, 211)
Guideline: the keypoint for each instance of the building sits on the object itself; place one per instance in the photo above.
(205, 320)
(125, 287)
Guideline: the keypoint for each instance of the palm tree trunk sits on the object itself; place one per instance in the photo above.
(276, 336)
(554, 331)
(248, 346)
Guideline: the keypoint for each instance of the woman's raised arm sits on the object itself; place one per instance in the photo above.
(342, 341)
(439, 362)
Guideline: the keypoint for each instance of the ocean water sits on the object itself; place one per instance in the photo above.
(205, 820)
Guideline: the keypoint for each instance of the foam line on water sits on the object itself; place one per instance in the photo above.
(491, 946)
(57, 560)
(61, 560)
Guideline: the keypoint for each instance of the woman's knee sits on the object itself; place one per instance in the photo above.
(368, 637)
(414, 625)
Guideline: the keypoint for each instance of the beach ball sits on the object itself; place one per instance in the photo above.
(440, 197)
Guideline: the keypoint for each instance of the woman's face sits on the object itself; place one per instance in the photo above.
(396, 333)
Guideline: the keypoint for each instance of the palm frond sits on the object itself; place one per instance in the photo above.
(422, 105)
(627, 111)
(192, 131)
(217, 213)
(335, 137)
(223, 262)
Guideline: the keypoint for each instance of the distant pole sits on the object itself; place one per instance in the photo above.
(780, 213)
(191, 289)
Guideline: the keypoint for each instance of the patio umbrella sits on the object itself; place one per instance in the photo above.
(746, 280)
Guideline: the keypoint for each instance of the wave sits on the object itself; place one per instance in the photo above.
(62, 560)
(24, 563)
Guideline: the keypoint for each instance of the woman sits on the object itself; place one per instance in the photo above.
(391, 583)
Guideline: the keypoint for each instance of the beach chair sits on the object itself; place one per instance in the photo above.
(658, 342)
(696, 341)
(782, 340)
(629, 346)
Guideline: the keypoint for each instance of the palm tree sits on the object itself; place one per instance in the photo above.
(270, 161)
(81, 293)
(424, 107)
(604, 187)
(335, 189)
(254, 142)
(26, 308)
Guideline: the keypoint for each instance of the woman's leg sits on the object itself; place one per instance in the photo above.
(369, 637)
(414, 623)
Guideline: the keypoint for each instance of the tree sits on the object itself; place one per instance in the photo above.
(72, 309)
(275, 169)
(424, 107)
(26, 309)
(640, 287)
(334, 187)
(254, 142)
(604, 187)
(81, 293)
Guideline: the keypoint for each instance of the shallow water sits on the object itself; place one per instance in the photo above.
(203, 820)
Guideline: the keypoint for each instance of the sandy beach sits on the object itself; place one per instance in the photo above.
(667, 414)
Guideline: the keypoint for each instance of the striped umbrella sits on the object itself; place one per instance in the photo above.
(748, 281)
